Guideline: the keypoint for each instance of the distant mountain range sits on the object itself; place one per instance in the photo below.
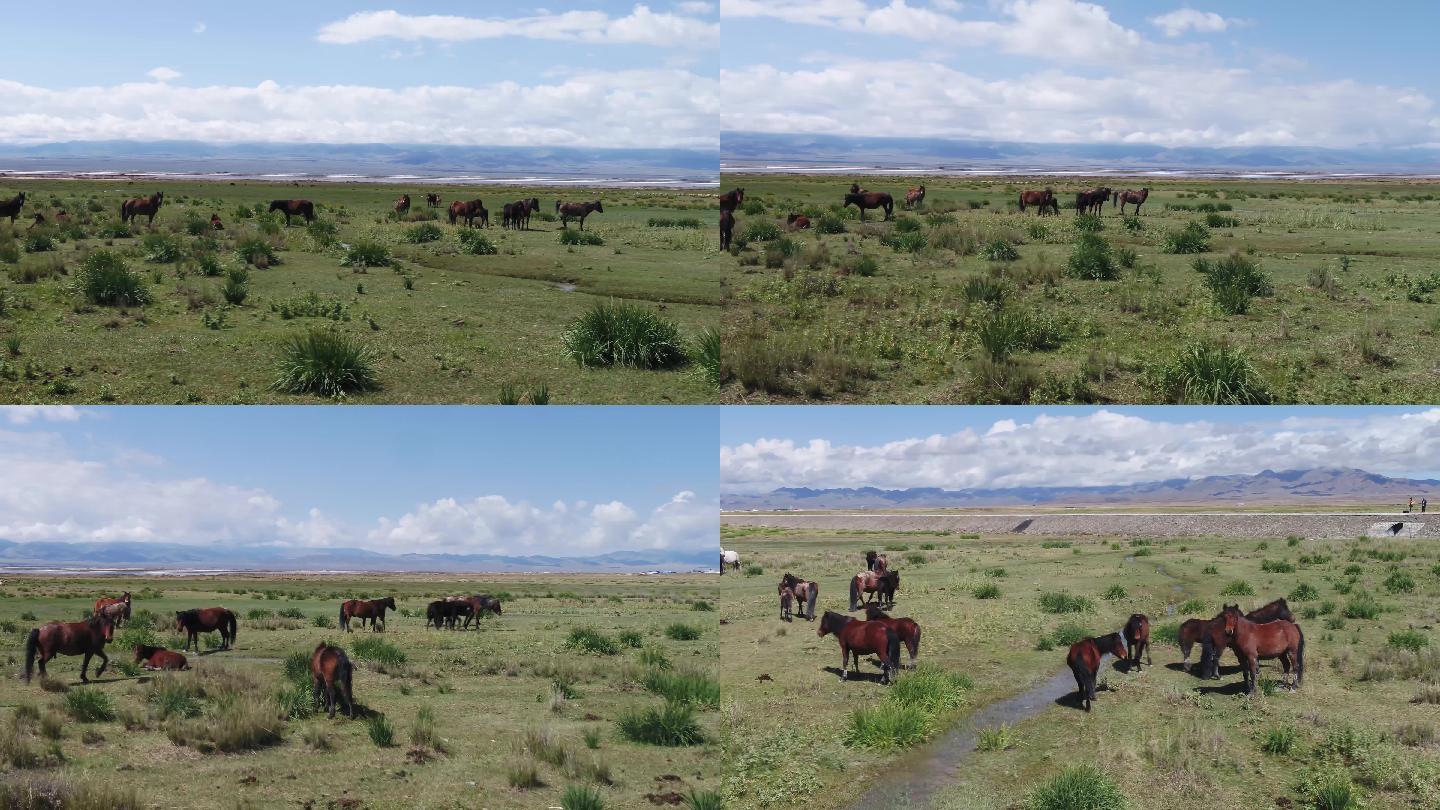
(1269, 488)
(755, 150)
(191, 557)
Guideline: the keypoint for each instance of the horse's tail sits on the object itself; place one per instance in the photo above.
(32, 644)
(814, 592)
(892, 647)
(231, 625)
(854, 593)
(1300, 658)
(1022, 202)
(914, 643)
(342, 616)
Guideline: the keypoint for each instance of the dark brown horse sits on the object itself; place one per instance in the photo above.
(402, 205)
(446, 614)
(432, 200)
(569, 211)
(856, 189)
(904, 627)
(914, 197)
(805, 593)
(729, 201)
(1092, 201)
(294, 208)
(1137, 639)
(727, 228)
(1041, 200)
(878, 585)
(1255, 641)
(330, 668)
(787, 598)
(117, 609)
(159, 658)
(195, 621)
(11, 208)
(215, 223)
(142, 206)
(85, 638)
(867, 200)
(1136, 197)
(797, 222)
(372, 610)
(469, 211)
(1084, 660)
(480, 604)
(1210, 633)
(856, 637)
(875, 561)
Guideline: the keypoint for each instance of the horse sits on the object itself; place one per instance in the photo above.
(1092, 201)
(729, 558)
(727, 228)
(215, 223)
(1277, 609)
(875, 561)
(468, 211)
(195, 621)
(159, 658)
(905, 628)
(1253, 641)
(138, 206)
(402, 205)
(444, 613)
(11, 208)
(787, 597)
(1210, 634)
(85, 638)
(914, 197)
(480, 604)
(1041, 200)
(294, 208)
(805, 593)
(569, 211)
(1137, 639)
(856, 189)
(856, 637)
(1084, 660)
(797, 222)
(37, 220)
(432, 200)
(868, 200)
(330, 667)
(117, 608)
(880, 585)
(729, 201)
(1127, 196)
(362, 609)
(525, 209)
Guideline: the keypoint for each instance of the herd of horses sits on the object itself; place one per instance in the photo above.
(329, 666)
(878, 633)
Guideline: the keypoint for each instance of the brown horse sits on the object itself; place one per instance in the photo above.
(1084, 660)
(914, 197)
(1092, 201)
(1254, 641)
(904, 627)
(867, 200)
(1211, 635)
(142, 206)
(527, 207)
(729, 201)
(215, 223)
(727, 228)
(786, 599)
(1137, 639)
(195, 621)
(402, 205)
(480, 604)
(1041, 200)
(372, 610)
(875, 561)
(294, 208)
(805, 593)
(878, 585)
(85, 638)
(797, 222)
(159, 658)
(432, 200)
(856, 189)
(445, 614)
(856, 637)
(469, 211)
(330, 668)
(569, 211)
(116, 608)
(11, 208)
(1136, 197)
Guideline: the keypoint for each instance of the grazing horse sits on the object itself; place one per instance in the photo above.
(142, 206)
(1136, 197)
(432, 200)
(914, 197)
(729, 558)
(805, 593)
(1210, 633)
(879, 585)
(11, 208)
(159, 658)
(402, 205)
(195, 621)
(85, 638)
(215, 223)
(294, 208)
(727, 228)
(1041, 200)
(905, 628)
(569, 211)
(1254, 641)
(729, 201)
(116, 608)
(856, 637)
(469, 211)
(445, 613)
(867, 200)
(1137, 639)
(1092, 201)
(797, 222)
(1084, 660)
(363, 609)
(480, 604)
(330, 667)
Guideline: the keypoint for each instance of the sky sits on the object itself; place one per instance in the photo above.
(569, 481)
(898, 447)
(583, 73)
(1214, 73)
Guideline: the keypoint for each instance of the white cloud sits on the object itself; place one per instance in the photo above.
(628, 109)
(1177, 22)
(199, 28)
(640, 27)
(1094, 449)
(164, 74)
(696, 6)
(25, 414)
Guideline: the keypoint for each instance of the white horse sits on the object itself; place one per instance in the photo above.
(729, 558)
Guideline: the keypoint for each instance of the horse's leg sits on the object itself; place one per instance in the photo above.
(85, 664)
(104, 662)
(317, 690)
(1148, 661)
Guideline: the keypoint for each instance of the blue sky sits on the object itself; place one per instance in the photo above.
(584, 480)
(593, 73)
(1222, 73)
(959, 447)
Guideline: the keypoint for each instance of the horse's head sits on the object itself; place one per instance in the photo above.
(107, 627)
(1113, 644)
(872, 612)
(390, 602)
(829, 623)
(599, 207)
(1230, 617)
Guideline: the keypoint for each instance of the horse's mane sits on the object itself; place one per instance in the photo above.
(145, 650)
(188, 615)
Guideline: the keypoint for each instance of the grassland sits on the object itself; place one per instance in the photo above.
(472, 714)
(1365, 722)
(441, 319)
(1329, 297)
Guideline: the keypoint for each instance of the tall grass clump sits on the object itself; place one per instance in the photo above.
(367, 254)
(672, 725)
(706, 354)
(930, 689)
(887, 726)
(1092, 260)
(1279, 740)
(1079, 787)
(999, 250)
(1193, 238)
(1060, 602)
(104, 279)
(1208, 373)
(89, 705)
(380, 731)
(326, 363)
(1363, 606)
(680, 631)
(256, 251)
(476, 243)
(241, 722)
(581, 797)
(570, 236)
(703, 800)
(695, 688)
(624, 334)
(378, 651)
(590, 640)
(423, 233)
(61, 793)
(988, 590)
(1233, 281)
(236, 287)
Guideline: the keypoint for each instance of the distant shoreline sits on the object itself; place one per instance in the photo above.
(782, 169)
(306, 178)
(172, 573)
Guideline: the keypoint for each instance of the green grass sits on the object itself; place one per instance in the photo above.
(1060, 602)
(89, 705)
(696, 688)
(673, 724)
(887, 726)
(624, 334)
(1082, 787)
(682, 632)
(106, 279)
(325, 363)
(590, 640)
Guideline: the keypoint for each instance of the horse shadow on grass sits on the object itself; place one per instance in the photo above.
(862, 675)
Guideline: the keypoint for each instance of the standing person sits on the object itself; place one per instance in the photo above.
(1412, 505)
(1424, 503)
